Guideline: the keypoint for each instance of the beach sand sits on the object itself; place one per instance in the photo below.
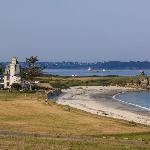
(99, 100)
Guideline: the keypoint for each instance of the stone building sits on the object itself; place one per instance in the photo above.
(1, 81)
(12, 73)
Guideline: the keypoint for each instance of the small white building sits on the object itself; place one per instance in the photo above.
(1, 81)
(12, 73)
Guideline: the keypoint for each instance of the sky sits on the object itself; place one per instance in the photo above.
(75, 30)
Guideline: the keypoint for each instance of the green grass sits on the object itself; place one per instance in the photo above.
(13, 95)
(5, 95)
(145, 136)
(65, 82)
(36, 143)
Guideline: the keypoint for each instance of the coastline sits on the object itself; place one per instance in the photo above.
(127, 103)
(99, 100)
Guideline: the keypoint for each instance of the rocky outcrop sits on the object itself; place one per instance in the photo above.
(142, 82)
(54, 92)
(50, 92)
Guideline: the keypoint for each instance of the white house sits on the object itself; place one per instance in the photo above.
(12, 73)
(1, 81)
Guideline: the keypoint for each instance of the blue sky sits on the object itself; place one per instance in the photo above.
(75, 30)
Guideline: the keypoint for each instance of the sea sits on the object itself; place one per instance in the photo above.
(139, 99)
(86, 72)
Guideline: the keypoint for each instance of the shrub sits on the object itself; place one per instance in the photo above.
(16, 86)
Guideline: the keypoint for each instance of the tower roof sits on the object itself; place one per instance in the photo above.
(14, 60)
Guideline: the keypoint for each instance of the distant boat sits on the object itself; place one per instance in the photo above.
(104, 70)
(89, 69)
(74, 75)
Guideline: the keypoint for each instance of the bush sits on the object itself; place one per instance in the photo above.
(16, 86)
(59, 84)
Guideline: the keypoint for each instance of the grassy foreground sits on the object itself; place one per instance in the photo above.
(26, 122)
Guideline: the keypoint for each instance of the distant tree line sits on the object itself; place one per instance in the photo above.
(97, 65)
(83, 65)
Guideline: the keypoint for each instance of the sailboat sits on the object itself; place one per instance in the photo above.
(89, 69)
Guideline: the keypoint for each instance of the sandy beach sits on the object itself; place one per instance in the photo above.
(99, 100)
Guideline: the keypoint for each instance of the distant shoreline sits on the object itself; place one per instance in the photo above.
(95, 72)
(99, 100)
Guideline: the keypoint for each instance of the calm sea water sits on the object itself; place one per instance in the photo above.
(84, 72)
(139, 99)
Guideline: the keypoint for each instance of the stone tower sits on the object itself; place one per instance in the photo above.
(12, 73)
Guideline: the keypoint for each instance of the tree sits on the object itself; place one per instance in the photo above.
(1, 69)
(32, 70)
(142, 73)
(31, 61)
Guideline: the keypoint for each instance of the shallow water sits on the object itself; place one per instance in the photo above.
(138, 99)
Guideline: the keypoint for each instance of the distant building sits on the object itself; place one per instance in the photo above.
(12, 73)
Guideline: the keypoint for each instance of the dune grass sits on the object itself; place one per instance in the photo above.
(26, 121)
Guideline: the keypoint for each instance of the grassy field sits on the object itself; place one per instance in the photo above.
(27, 122)
(65, 82)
